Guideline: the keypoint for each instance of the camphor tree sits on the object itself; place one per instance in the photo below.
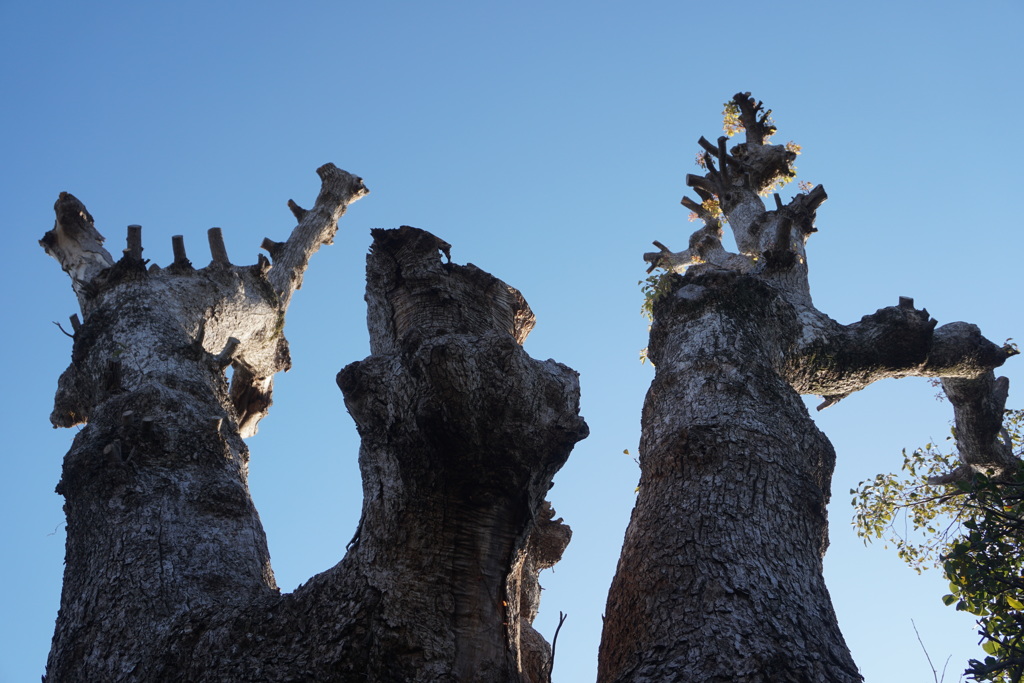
(167, 572)
(720, 577)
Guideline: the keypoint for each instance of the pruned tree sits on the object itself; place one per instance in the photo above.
(167, 572)
(720, 577)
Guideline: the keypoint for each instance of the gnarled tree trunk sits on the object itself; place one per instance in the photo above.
(720, 574)
(167, 572)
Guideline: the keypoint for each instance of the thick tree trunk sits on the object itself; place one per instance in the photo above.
(462, 433)
(167, 572)
(720, 574)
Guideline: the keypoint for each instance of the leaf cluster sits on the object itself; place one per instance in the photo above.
(653, 287)
(919, 519)
(973, 530)
(731, 122)
(713, 209)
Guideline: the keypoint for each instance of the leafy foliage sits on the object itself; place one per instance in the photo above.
(973, 530)
(654, 287)
(713, 208)
(731, 123)
(904, 510)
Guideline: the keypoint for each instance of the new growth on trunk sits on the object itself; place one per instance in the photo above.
(167, 572)
(720, 573)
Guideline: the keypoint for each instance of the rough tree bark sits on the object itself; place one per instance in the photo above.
(720, 574)
(167, 572)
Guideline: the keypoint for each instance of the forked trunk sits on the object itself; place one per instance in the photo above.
(167, 571)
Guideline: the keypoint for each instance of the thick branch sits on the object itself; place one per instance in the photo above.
(317, 226)
(897, 341)
(981, 441)
(802, 209)
(705, 248)
(76, 244)
(756, 121)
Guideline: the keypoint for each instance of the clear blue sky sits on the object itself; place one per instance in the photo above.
(548, 143)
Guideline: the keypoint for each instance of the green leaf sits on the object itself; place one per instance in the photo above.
(948, 600)
(1014, 603)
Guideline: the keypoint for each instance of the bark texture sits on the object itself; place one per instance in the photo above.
(167, 572)
(720, 574)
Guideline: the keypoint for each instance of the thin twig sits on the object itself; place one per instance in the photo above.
(62, 329)
(554, 642)
(935, 674)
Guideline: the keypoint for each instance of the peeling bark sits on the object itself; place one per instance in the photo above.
(720, 573)
(167, 571)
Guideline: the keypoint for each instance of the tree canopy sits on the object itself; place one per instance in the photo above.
(972, 529)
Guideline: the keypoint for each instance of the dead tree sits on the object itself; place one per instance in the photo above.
(720, 577)
(167, 572)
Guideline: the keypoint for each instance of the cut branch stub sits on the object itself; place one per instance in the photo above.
(730, 193)
(273, 248)
(765, 165)
(217, 249)
(178, 247)
(802, 209)
(297, 210)
(134, 249)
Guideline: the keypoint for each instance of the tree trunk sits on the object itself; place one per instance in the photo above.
(167, 572)
(720, 577)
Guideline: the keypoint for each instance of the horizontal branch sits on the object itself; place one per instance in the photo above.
(897, 341)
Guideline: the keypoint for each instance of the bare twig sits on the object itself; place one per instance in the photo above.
(554, 642)
(62, 329)
(935, 674)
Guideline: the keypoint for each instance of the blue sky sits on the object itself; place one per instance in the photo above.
(548, 143)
